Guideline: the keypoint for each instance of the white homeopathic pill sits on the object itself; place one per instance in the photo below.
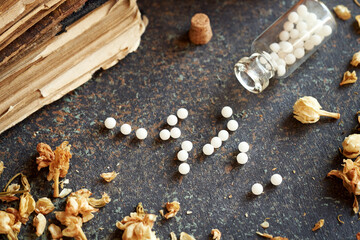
(186, 145)
(226, 112)
(286, 47)
(276, 179)
(308, 45)
(223, 135)
(182, 113)
(301, 26)
(281, 70)
(257, 189)
(288, 26)
(184, 168)
(125, 129)
(284, 36)
(208, 149)
(274, 47)
(110, 123)
(299, 52)
(293, 17)
(141, 133)
(294, 33)
(302, 10)
(216, 142)
(232, 125)
(316, 39)
(172, 120)
(242, 158)
(325, 31)
(175, 132)
(290, 59)
(164, 134)
(243, 147)
(182, 155)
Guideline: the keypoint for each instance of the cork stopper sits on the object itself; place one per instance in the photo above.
(200, 30)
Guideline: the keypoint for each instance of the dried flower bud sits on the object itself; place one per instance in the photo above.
(173, 208)
(40, 223)
(65, 192)
(8, 225)
(55, 231)
(46, 155)
(44, 206)
(108, 177)
(351, 146)
(26, 206)
(185, 236)
(342, 12)
(1, 167)
(355, 59)
(216, 234)
(318, 225)
(98, 203)
(137, 227)
(308, 110)
(349, 78)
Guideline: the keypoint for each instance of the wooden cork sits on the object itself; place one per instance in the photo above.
(200, 30)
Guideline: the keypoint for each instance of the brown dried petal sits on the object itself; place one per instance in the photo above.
(137, 227)
(265, 235)
(173, 236)
(358, 236)
(108, 177)
(351, 146)
(46, 155)
(44, 206)
(342, 12)
(55, 231)
(98, 203)
(185, 236)
(1, 167)
(173, 208)
(7, 221)
(318, 225)
(39, 222)
(349, 77)
(216, 234)
(355, 59)
(26, 206)
(9, 198)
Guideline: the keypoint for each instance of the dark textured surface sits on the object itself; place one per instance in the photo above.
(166, 73)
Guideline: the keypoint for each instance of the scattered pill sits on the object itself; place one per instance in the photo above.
(164, 134)
(141, 133)
(175, 132)
(226, 112)
(125, 129)
(110, 123)
(184, 168)
(242, 158)
(172, 120)
(223, 135)
(216, 142)
(257, 189)
(243, 147)
(182, 113)
(276, 179)
(208, 149)
(232, 125)
(186, 145)
(182, 155)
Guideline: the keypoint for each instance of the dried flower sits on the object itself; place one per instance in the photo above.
(355, 59)
(342, 12)
(351, 146)
(1, 167)
(44, 206)
(65, 192)
(40, 223)
(57, 161)
(318, 225)
(308, 110)
(185, 236)
(108, 177)
(9, 225)
(26, 207)
(55, 231)
(73, 225)
(173, 208)
(349, 77)
(351, 178)
(173, 236)
(98, 203)
(265, 224)
(137, 227)
(216, 234)
(269, 236)
(12, 189)
(358, 236)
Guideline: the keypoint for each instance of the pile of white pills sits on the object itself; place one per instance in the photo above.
(242, 157)
(301, 32)
(172, 120)
(183, 155)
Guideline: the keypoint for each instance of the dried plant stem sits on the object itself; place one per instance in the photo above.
(81, 234)
(329, 114)
(10, 181)
(56, 182)
(357, 3)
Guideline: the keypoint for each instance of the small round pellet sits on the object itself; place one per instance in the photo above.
(216, 142)
(311, 19)
(223, 135)
(110, 123)
(302, 10)
(284, 36)
(293, 17)
(294, 33)
(226, 112)
(172, 120)
(244, 147)
(232, 125)
(281, 70)
(290, 59)
(274, 56)
(308, 45)
(184, 168)
(274, 47)
(182, 155)
(325, 31)
(301, 26)
(280, 62)
(304, 35)
(316, 39)
(182, 113)
(164, 134)
(288, 26)
(141, 133)
(175, 132)
(257, 189)
(208, 149)
(125, 129)
(276, 179)
(299, 53)
(242, 158)
(186, 145)
(286, 47)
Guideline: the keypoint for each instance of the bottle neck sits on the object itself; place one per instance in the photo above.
(254, 72)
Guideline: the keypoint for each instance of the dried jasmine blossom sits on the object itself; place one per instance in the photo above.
(98, 203)
(55, 231)
(9, 225)
(185, 236)
(318, 225)
(349, 77)
(44, 206)
(39, 222)
(351, 178)
(355, 59)
(351, 146)
(173, 208)
(26, 207)
(308, 110)
(216, 234)
(11, 189)
(269, 236)
(108, 177)
(342, 12)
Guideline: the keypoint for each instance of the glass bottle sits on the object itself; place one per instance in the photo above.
(286, 44)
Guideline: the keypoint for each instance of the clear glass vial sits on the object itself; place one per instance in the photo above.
(286, 44)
